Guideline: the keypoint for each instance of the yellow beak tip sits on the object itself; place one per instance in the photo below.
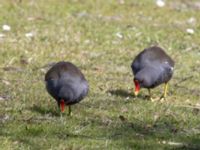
(136, 93)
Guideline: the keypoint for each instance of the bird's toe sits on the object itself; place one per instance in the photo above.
(153, 99)
(162, 98)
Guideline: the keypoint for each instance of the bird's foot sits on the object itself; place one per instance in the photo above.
(153, 99)
(162, 98)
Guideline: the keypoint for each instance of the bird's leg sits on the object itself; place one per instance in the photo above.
(58, 103)
(69, 112)
(163, 97)
(149, 91)
(61, 114)
(165, 90)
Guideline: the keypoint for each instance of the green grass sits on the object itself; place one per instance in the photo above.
(85, 33)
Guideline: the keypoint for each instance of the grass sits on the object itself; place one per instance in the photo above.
(102, 38)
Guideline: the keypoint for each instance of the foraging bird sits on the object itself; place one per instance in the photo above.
(151, 68)
(66, 84)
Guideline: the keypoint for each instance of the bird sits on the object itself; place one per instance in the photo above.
(152, 67)
(66, 84)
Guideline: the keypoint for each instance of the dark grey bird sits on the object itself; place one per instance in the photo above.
(66, 84)
(152, 67)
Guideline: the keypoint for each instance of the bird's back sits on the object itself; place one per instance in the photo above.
(63, 68)
(153, 56)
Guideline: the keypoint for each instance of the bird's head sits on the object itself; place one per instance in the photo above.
(142, 79)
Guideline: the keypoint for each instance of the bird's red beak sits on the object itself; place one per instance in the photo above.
(62, 105)
(137, 87)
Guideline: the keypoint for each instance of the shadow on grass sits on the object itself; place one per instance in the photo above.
(45, 110)
(120, 92)
(80, 136)
(123, 93)
(138, 134)
(133, 134)
(126, 133)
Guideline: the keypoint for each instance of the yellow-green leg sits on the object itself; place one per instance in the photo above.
(165, 90)
(163, 97)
